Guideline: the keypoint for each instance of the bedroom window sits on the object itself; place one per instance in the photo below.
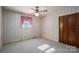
(26, 22)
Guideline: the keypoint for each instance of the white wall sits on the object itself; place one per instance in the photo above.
(13, 32)
(50, 27)
(0, 27)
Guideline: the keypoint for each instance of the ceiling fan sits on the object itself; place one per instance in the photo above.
(38, 12)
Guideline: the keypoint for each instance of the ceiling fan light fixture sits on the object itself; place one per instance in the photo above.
(37, 14)
(37, 11)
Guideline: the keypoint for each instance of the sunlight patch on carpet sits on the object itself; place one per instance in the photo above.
(50, 50)
(43, 47)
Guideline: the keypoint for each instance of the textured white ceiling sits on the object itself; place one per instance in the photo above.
(28, 10)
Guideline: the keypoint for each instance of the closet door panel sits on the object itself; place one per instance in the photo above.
(77, 30)
(72, 31)
(66, 29)
(61, 29)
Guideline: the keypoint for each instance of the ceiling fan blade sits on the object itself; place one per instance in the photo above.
(43, 11)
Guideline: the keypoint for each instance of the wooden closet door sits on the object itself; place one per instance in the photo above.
(69, 29)
(72, 29)
(77, 30)
(66, 29)
(61, 33)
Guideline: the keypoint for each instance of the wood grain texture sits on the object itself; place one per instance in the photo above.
(69, 33)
